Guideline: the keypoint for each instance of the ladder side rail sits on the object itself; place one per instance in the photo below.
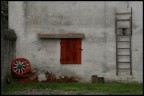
(116, 46)
(130, 57)
(131, 44)
(131, 22)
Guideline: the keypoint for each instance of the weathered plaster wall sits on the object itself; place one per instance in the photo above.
(137, 40)
(94, 19)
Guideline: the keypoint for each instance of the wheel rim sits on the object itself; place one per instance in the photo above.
(21, 66)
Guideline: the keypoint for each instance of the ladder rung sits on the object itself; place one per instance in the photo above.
(123, 19)
(124, 62)
(123, 48)
(123, 35)
(123, 41)
(123, 68)
(123, 27)
(123, 55)
(125, 13)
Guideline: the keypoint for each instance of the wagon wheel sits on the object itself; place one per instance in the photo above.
(21, 66)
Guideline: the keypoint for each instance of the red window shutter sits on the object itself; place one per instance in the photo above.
(71, 51)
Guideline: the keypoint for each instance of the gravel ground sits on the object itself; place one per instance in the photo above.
(32, 92)
(52, 92)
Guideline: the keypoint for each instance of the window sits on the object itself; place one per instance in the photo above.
(71, 51)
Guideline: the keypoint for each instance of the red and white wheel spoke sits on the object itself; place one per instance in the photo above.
(21, 66)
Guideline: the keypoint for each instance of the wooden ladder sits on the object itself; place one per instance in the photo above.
(121, 33)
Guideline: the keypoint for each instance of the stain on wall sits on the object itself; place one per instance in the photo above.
(94, 19)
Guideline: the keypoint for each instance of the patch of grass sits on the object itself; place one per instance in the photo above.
(106, 88)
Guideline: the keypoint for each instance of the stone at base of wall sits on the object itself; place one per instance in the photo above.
(32, 76)
(96, 79)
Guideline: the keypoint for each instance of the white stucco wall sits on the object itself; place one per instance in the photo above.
(94, 18)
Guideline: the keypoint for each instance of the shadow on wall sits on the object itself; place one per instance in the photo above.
(8, 49)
